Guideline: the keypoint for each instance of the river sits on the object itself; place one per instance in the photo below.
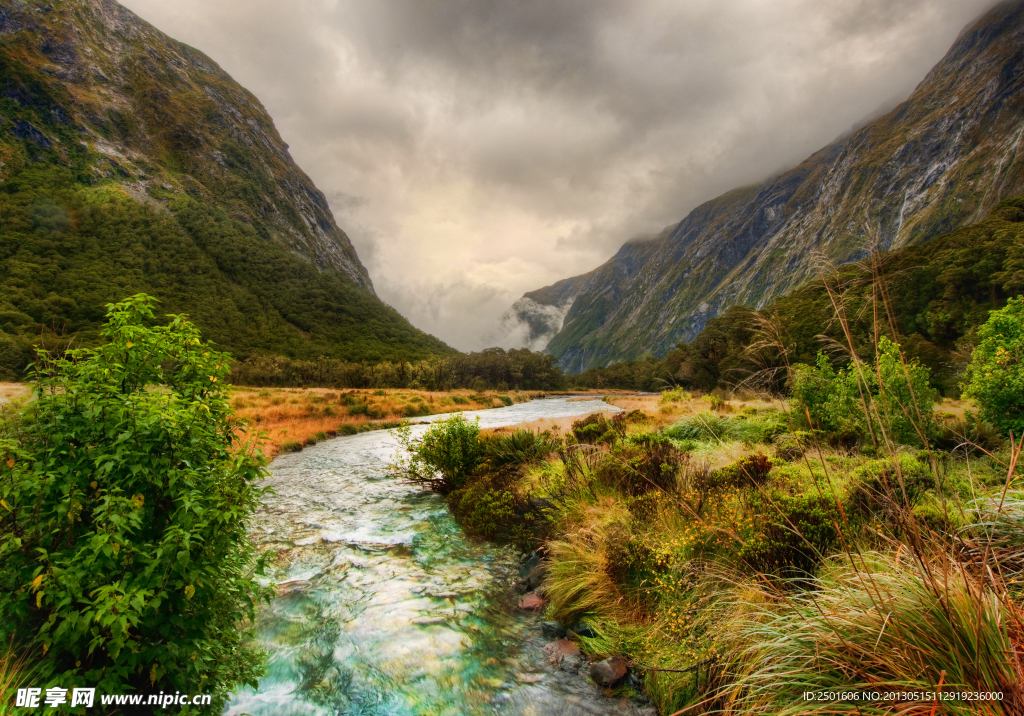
(384, 607)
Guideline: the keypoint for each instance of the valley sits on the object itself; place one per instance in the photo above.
(766, 456)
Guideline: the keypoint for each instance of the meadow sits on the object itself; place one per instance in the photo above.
(860, 535)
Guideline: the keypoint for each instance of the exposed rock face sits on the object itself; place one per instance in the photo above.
(165, 118)
(939, 161)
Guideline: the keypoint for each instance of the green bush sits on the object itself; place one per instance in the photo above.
(709, 427)
(125, 499)
(444, 457)
(751, 471)
(839, 402)
(792, 534)
(489, 506)
(877, 485)
(995, 377)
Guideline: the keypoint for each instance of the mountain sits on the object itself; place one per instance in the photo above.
(942, 159)
(130, 162)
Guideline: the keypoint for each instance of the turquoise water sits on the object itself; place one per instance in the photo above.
(384, 606)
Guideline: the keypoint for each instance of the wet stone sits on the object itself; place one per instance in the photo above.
(556, 650)
(553, 630)
(531, 603)
(571, 663)
(610, 671)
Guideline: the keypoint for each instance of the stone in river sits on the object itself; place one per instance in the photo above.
(610, 671)
(558, 649)
(552, 630)
(531, 603)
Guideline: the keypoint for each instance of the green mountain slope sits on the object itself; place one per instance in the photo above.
(937, 295)
(130, 162)
(939, 161)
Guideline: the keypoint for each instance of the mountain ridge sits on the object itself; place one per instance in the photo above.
(131, 162)
(938, 161)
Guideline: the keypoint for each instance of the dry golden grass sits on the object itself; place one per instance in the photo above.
(290, 416)
(10, 391)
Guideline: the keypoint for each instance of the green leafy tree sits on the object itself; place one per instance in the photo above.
(995, 377)
(124, 555)
(443, 459)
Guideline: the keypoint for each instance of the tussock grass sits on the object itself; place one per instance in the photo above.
(888, 624)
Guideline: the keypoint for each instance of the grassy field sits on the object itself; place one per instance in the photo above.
(735, 558)
(292, 418)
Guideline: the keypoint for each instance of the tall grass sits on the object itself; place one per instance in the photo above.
(16, 669)
(884, 626)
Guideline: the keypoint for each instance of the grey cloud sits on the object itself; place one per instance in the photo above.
(501, 146)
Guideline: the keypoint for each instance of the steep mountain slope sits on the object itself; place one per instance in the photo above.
(131, 162)
(940, 160)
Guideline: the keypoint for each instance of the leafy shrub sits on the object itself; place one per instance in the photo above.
(506, 400)
(835, 400)
(995, 377)
(793, 534)
(676, 395)
(444, 457)
(748, 472)
(291, 446)
(876, 485)
(489, 506)
(125, 501)
(348, 429)
(359, 409)
(646, 463)
(597, 428)
(459, 400)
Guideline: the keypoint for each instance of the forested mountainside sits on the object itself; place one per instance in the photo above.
(930, 298)
(941, 160)
(130, 162)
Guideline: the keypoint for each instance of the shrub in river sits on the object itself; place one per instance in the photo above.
(123, 541)
(348, 429)
(444, 457)
(995, 377)
(291, 446)
(490, 506)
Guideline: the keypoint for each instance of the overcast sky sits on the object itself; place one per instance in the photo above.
(477, 149)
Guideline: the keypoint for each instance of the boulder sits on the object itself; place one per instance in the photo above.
(610, 671)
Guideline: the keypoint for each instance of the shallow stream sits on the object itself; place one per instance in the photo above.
(385, 607)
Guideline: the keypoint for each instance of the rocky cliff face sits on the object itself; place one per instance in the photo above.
(940, 160)
(161, 118)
